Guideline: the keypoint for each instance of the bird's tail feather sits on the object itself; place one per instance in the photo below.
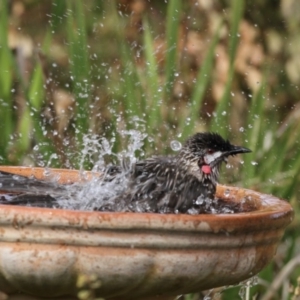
(21, 190)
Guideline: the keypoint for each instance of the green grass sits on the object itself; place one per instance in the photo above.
(220, 120)
(79, 64)
(5, 84)
(130, 86)
(172, 29)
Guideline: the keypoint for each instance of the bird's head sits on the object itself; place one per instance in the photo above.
(203, 154)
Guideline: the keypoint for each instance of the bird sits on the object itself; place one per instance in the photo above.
(181, 183)
(175, 184)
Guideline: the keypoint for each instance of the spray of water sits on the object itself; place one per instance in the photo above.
(99, 192)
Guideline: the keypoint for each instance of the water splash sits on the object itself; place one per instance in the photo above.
(99, 192)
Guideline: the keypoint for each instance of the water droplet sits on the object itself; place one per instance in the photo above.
(187, 121)
(200, 200)
(175, 145)
(227, 193)
(193, 211)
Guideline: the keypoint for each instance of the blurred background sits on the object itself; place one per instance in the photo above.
(73, 72)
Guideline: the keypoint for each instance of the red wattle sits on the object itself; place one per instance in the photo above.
(206, 169)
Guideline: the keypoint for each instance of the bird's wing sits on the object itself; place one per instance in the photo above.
(161, 184)
(153, 185)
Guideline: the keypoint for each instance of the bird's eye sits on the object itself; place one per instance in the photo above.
(210, 151)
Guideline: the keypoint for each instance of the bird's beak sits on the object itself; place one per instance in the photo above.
(234, 150)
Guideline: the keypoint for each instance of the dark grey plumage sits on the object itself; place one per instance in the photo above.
(178, 183)
(22, 190)
(157, 184)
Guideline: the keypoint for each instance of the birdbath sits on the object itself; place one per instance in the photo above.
(136, 255)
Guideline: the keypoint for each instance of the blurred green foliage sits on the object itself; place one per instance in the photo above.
(70, 68)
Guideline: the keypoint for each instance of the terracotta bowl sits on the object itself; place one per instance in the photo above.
(135, 255)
